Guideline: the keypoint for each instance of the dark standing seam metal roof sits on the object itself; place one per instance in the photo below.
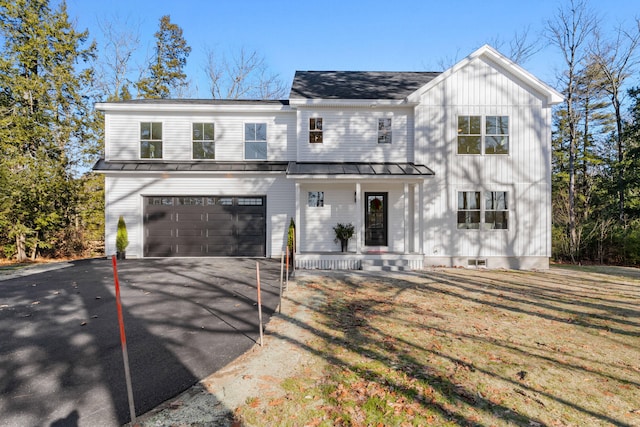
(357, 84)
(291, 168)
(357, 168)
(200, 166)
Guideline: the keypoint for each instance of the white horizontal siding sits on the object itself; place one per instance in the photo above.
(123, 134)
(351, 135)
(316, 223)
(124, 195)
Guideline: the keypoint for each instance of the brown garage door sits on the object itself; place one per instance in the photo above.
(204, 226)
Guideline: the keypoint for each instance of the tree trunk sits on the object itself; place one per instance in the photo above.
(21, 253)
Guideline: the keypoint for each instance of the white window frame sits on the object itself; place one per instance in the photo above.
(151, 139)
(194, 141)
(254, 141)
(315, 199)
(483, 208)
(316, 130)
(484, 135)
(385, 133)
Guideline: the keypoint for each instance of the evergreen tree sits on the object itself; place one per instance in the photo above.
(43, 117)
(166, 70)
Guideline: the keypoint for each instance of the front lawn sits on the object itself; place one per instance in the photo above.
(464, 347)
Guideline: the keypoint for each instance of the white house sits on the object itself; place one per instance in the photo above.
(450, 168)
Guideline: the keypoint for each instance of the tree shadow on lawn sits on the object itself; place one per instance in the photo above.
(402, 366)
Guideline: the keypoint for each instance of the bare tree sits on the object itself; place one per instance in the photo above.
(617, 60)
(114, 68)
(244, 75)
(521, 47)
(570, 32)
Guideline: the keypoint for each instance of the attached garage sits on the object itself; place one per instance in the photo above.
(201, 226)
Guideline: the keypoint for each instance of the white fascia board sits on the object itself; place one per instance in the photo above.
(357, 103)
(186, 107)
(488, 53)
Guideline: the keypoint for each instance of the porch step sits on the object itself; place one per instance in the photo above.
(385, 265)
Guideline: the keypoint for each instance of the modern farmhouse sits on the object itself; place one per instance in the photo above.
(449, 168)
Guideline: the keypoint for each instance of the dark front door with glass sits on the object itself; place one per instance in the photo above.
(375, 219)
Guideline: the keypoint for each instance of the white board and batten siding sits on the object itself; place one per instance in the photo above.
(351, 135)
(479, 89)
(126, 192)
(123, 134)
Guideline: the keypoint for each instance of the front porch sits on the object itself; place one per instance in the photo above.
(361, 261)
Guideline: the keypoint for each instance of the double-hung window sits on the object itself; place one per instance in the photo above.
(384, 131)
(488, 213)
(478, 136)
(203, 137)
(469, 209)
(255, 141)
(315, 130)
(496, 214)
(150, 140)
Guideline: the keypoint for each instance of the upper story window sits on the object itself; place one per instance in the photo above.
(474, 138)
(384, 131)
(203, 137)
(255, 141)
(496, 140)
(150, 140)
(493, 215)
(315, 129)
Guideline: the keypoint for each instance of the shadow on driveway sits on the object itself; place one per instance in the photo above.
(60, 357)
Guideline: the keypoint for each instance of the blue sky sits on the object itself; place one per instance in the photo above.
(399, 35)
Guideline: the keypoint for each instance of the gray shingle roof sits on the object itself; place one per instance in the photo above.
(357, 84)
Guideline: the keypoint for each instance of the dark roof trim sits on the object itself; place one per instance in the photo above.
(358, 168)
(192, 166)
(203, 101)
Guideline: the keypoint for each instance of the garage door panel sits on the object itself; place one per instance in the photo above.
(190, 232)
(190, 250)
(185, 226)
(220, 232)
(159, 249)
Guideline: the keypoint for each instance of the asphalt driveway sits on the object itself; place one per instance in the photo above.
(60, 355)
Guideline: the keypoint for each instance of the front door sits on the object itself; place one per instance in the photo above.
(375, 219)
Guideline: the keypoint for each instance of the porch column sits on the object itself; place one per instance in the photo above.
(297, 219)
(359, 214)
(406, 217)
(421, 206)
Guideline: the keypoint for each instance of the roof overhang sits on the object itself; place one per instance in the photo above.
(357, 170)
(209, 167)
(507, 66)
(350, 103)
(204, 107)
